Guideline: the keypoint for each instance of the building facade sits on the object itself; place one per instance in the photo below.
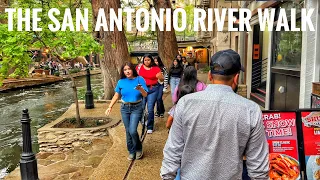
(282, 65)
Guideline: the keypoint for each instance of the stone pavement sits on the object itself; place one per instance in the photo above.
(106, 158)
(115, 164)
(76, 164)
(80, 162)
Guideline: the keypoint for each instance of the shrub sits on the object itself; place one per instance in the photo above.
(57, 73)
(74, 70)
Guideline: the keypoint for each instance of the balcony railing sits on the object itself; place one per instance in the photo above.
(144, 46)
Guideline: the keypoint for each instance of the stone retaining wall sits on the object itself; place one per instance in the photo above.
(52, 139)
(64, 139)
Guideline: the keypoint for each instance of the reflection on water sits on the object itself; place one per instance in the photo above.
(45, 104)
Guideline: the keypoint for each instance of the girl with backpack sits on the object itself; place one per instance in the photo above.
(190, 78)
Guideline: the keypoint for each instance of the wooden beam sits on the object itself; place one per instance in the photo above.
(265, 5)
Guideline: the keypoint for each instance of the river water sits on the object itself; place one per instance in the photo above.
(45, 104)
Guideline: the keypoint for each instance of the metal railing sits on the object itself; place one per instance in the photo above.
(259, 72)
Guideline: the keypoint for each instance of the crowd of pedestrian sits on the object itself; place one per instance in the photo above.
(212, 129)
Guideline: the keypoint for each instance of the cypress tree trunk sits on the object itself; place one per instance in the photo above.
(167, 41)
(115, 47)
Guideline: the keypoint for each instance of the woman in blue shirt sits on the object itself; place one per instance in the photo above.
(131, 88)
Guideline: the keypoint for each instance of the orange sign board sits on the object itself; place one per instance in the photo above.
(256, 51)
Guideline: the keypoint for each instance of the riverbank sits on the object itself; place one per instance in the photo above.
(13, 84)
(46, 103)
(80, 162)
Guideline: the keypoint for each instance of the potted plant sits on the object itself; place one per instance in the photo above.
(57, 73)
(38, 70)
(46, 70)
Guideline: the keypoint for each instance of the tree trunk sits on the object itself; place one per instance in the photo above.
(75, 97)
(115, 47)
(167, 41)
(3, 4)
(74, 89)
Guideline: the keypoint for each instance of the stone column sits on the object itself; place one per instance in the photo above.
(310, 55)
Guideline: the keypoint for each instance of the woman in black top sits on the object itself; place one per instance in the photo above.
(179, 58)
(162, 85)
(175, 74)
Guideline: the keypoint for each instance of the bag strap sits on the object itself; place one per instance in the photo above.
(139, 67)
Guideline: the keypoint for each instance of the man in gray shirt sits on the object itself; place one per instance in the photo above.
(213, 129)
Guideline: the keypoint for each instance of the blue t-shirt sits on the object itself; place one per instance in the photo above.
(126, 87)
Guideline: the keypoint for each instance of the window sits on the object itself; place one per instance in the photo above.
(287, 44)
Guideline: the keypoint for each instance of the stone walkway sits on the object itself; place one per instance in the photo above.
(106, 158)
(78, 164)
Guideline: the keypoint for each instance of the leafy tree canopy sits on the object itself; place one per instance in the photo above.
(66, 45)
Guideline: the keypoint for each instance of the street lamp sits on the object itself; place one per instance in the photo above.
(89, 95)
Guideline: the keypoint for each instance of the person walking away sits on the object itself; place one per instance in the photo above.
(184, 90)
(131, 88)
(192, 60)
(214, 128)
(151, 73)
(185, 63)
(190, 78)
(175, 73)
(162, 87)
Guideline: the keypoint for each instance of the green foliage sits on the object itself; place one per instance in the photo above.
(72, 120)
(57, 73)
(46, 67)
(206, 69)
(189, 29)
(288, 47)
(74, 70)
(97, 92)
(64, 45)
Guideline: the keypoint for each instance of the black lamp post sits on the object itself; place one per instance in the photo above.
(28, 162)
(89, 94)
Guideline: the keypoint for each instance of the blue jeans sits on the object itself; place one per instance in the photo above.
(150, 100)
(178, 175)
(245, 172)
(160, 105)
(174, 82)
(131, 115)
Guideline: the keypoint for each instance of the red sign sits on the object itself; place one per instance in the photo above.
(256, 51)
(281, 132)
(311, 140)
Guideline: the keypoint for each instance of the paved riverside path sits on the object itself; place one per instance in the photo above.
(115, 164)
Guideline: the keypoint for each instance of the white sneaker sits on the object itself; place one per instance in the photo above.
(149, 131)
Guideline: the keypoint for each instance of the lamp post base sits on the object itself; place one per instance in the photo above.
(89, 100)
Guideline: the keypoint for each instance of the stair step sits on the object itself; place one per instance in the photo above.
(258, 98)
(261, 90)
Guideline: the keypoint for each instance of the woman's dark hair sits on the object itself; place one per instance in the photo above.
(178, 55)
(172, 64)
(184, 90)
(131, 66)
(183, 57)
(149, 56)
(189, 77)
(160, 63)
